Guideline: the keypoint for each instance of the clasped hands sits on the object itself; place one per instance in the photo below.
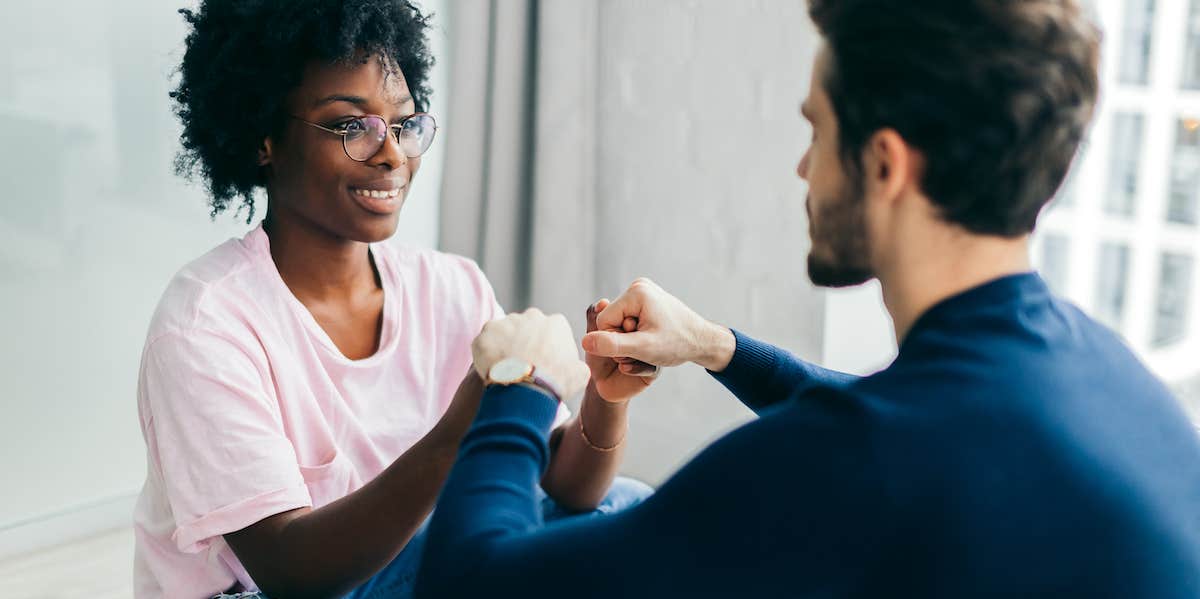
(627, 342)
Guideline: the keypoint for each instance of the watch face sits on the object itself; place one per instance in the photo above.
(509, 371)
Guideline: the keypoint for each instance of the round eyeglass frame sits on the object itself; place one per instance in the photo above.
(395, 129)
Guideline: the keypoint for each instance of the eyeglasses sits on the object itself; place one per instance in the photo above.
(363, 136)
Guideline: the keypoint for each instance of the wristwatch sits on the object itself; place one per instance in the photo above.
(516, 371)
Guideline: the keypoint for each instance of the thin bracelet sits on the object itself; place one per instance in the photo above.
(593, 445)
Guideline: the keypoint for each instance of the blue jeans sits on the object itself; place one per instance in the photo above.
(396, 580)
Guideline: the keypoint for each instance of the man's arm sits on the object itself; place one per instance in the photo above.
(331, 550)
(669, 333)
(785, 506)
(761, 374)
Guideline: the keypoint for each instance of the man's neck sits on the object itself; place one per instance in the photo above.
(947, 263)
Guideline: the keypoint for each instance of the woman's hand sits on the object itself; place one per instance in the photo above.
(611, 382)
(544, 341)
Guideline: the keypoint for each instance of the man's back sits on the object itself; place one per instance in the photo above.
(1023, 449)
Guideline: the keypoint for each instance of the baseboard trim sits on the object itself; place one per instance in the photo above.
(63, 526)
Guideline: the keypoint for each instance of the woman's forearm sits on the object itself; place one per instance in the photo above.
(582, 468)
(328, 551)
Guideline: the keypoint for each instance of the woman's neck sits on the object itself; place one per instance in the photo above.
(316, 265)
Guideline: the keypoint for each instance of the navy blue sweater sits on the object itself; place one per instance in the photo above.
(1014, 448)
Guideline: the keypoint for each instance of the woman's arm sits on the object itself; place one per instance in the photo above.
(587, 452)
(582, 470)
(329, 551)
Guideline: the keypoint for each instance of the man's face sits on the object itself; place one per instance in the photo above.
(839, 255)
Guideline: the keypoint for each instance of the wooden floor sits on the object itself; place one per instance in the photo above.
(99, 567)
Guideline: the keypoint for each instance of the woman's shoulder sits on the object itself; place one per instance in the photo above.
(202, 292)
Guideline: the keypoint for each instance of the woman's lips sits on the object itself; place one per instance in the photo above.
(378, 201)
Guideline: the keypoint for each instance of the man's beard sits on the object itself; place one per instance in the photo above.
(844, 257)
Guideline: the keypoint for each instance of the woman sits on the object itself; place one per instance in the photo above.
(302, 391)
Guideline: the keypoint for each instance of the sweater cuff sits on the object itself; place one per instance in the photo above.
(752, 360)
(517, 402)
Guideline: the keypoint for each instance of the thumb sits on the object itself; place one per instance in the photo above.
(611, 344)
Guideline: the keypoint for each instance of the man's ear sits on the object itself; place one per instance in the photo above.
(264, 152)
(888, 164)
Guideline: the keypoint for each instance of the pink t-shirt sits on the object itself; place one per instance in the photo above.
(248, 408)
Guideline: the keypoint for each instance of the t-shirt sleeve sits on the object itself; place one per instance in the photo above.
(215, 432)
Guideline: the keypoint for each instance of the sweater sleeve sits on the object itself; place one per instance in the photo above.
(761, 374)
(729, 523)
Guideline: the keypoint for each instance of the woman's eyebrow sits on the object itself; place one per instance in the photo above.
(356, 100)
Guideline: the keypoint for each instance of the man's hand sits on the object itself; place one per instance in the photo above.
(544, 341)
(666, 331)
(612, 384)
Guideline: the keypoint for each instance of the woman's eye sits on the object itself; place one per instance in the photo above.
(351, 126)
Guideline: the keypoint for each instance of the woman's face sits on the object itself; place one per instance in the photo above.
(311, 182)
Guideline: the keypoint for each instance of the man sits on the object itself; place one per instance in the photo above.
(1014, 447)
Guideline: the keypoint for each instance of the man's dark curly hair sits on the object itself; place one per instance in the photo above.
(997, 94)
(244, 57)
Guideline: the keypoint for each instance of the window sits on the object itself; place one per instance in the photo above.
(1121, 194)
(1054, 261)
(1111, 278)
(93, 224)
(1185, 172)
(1191, 53)
(1188, 391)
(1136, 29)
(1174, 297)
(1065, 198)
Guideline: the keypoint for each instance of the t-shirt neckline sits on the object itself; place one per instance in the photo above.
(260, 245)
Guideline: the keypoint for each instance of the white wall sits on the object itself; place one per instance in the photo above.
(859, 338)
(698, 137)
(93, 223)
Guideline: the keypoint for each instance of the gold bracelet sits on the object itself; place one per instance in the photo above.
(593, 445)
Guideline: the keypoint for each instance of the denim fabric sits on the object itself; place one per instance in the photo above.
(397, 579)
